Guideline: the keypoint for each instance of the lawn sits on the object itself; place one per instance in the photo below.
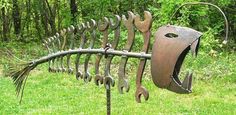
(214, 92)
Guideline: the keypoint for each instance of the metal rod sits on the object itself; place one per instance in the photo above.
(210, 4)
(108, 95)
(93, 51)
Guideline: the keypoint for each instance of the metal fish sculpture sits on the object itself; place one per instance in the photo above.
(172, 43)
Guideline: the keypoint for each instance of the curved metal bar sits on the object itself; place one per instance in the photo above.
(218, 8)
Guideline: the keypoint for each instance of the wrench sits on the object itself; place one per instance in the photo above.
(144, 27)
(123, 80)
(63, 37)
(103, 27)
(92, 25)
(53, 50)
(46, 44)
(81, 32)
(70, 30)
(114, 26)
(57, 38)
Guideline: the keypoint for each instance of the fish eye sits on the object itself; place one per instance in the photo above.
(171, 35)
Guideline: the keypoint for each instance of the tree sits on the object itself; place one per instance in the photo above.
(16, 17)
(73, 9)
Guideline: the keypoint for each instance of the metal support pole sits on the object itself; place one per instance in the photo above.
(108, 94)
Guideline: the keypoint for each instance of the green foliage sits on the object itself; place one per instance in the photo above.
(203, 18)
(5, 4)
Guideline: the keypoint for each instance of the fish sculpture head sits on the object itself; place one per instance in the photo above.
(172, 43)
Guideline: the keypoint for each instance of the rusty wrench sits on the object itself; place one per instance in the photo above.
(114, 26)
(92, 29)
(81, 32)
(103, 27)
(144, 27)
(129, 24)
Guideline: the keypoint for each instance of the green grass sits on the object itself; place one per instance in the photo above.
(214, 92)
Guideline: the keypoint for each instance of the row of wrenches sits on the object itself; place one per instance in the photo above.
(66, 40)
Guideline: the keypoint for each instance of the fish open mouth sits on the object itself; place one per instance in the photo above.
(176, 85)
(172, 44)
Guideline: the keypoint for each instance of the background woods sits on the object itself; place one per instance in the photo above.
(32, 20)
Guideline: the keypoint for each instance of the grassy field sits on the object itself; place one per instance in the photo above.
(214, 92)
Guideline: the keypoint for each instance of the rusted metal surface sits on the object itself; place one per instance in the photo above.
(171, 45)
(103, 26)
(92, 25)
(123, 79)
(114, 25)
(144, 27)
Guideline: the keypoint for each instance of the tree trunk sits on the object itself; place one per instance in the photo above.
(37, 25)
(5, 25)
(16, 17)
(51, 18)
(73, 10)
(44, 18)
(28, 15)
(58, 16)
